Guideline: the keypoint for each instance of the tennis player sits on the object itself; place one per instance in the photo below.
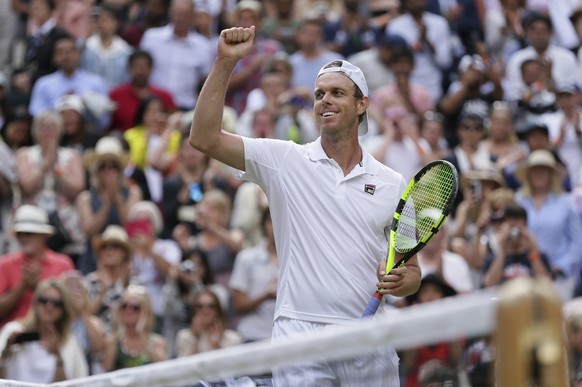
(331, 206)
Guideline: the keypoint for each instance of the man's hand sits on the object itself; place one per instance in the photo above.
(236, 43)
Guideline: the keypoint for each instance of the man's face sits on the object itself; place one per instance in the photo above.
(539, 35)
(31, 244)
(140, 71)
(182, 15)
(66, 56)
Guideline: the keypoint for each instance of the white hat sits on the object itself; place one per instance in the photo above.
(32, 219)
(251, 5)
(475, 61)
(70, 102)
(539, 158)
(357, 76)
(107, 147)
(113, 233)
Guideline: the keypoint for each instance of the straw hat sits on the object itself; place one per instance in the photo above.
(489, 174)
(538, 158)
(107, 148)
(32, 219)
(112, 233)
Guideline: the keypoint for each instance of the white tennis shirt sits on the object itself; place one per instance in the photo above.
(330, 229)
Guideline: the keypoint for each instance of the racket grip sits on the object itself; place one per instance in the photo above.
(372, 306)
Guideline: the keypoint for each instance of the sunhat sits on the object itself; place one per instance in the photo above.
(107, 148)
(113, 233)
(538, 158)
(488, 174)
(32, 219)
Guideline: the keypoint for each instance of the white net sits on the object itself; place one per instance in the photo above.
(251, 364)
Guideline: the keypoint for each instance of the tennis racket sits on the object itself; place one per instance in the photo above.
(421, 212)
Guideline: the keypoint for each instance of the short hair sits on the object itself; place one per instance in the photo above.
(47, 116)
(402, 52)
(534, 17)
(515, 211)
(137, 54)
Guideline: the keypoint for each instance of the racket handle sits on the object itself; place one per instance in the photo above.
(372, 306)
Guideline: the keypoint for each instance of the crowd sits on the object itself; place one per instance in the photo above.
(122, 245)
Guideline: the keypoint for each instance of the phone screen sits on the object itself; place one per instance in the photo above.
(25, 337)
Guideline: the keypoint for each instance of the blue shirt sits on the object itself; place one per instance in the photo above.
(558, 230)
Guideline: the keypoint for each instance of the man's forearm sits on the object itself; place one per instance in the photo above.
(9, 300)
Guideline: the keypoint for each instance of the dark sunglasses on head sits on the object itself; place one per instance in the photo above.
(133, 307)
(54, 302)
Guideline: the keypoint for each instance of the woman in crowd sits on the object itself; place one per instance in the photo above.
(50, 176)
(134, 343)
(552, 217)
(152, 256)
(87, 328)
(109, 198)
(154, 143)
(41, 348)
(208, 327)
(106, 284)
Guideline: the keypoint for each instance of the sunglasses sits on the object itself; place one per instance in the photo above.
(132, 307)
(54, 302)
(205, 306)
(104, 166)
(475, 128)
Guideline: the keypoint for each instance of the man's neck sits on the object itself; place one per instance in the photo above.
(346, 152)
(35, 256)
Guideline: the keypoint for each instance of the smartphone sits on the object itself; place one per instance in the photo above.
(138, 227)
(26, 337)
(477, 189)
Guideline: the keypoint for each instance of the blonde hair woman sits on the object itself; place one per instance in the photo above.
(134, 343)
(41, 348)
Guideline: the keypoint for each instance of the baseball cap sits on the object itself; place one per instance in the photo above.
(357, 76)
(70, 102)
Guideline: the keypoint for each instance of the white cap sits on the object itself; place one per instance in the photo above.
(72, 102)
(357, 76)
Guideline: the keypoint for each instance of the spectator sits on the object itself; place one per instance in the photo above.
(155, 15)
(40, 46)
(184, 281)
(474, 93)
(282, 26)
(351, 33)
(152, 257)
(311, 55)
(208, 327)
(86, 328)
(565, 128)
(105, 53)
(538, 96)
(184, 189)
(154, 144)
(576, 23)
(128, 96)
(218, 241)
(375, 61)
(254, 285)
(51, 177)
(504, 33)
(69, 79)
(134, 343)
(250, 202)
(22, 270)
(247, 73)
(552, 217)
(55, 354)
(574, 337)
(471, 153)
(181, 56)
(106, 285)
(430, 38)
(432, 288)
(559, 63)
(109, 197)
(403, 92)
(15, 132)
(502, 142)
(432, 137)
(517, 252)
(77, 132)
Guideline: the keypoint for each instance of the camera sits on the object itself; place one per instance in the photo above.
(477, 189)
(188, 266)
(514, 233)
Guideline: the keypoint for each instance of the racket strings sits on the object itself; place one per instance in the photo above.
(427, 201)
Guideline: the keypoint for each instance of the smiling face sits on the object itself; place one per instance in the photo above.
(336, 108)
(50, 306)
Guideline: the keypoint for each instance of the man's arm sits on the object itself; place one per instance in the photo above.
(206, 134)
(401, 281)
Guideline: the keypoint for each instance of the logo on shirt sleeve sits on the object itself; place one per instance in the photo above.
(370, 188)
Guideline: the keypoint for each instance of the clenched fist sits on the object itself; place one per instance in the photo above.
(235, 43)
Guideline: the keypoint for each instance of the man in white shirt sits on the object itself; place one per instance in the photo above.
(558, 61)
(430, 38)
(331, 204)
(182, 57)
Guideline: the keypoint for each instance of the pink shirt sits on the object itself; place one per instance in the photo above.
(389, 96)
(11, 265)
